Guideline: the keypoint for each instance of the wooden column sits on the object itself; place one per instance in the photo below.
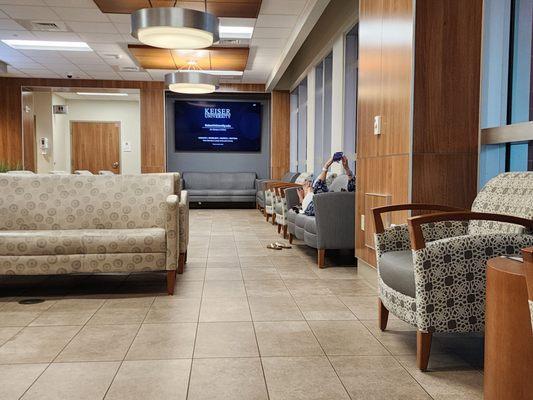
(420, 70)
(153, 157)
(280, 133)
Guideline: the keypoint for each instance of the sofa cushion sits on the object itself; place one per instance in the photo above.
(310, 225)
(292, 216)
(302, 220)
(219, 180)
(82, 241)
(40, 242)
(99, 241)
(396, 270)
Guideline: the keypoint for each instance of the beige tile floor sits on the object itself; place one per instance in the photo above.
(246, 323)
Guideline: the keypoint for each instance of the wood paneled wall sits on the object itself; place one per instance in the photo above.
(152, 115)
(385, 79)
(423, 79)
(280, 133)
(28, 132)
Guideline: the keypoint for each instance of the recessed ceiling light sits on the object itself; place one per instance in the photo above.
(100, 94)
(235, 32)
(46, 45)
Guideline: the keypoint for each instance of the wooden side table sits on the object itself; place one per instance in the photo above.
(508, 334)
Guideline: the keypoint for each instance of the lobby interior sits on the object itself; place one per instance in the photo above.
(266, 199)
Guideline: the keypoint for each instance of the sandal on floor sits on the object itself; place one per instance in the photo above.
(274, 246)
(283, 246)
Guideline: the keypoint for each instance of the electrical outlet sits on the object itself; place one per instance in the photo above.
(377, 125)
(362, 222)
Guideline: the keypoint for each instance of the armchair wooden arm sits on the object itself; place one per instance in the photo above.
(274, 184)
(415, 223)
(280, 190)
(378, 221)
(528, 267)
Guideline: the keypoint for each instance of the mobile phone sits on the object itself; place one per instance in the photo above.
(337, 156)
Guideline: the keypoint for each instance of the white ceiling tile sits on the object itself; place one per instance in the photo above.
(294, 7)
(271, 33)
(101, 37)
(275, 21)
(28, 12)
(23, 2)
(90, 68)
(237, 21)
(123, 28)
(106, 47)
(120, 18)
(63, 36)
(92, 27)
(8, 34)
(268, 43)
(136, 76)
(11, 25)
(81, 14)
(70, 3)
(105, 75)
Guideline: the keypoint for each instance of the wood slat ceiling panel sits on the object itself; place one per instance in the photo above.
(221, 8)
(226, 58)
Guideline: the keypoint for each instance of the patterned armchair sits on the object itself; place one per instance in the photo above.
(281, 205)
(62, 224)
(431, 271)
(528, 265)
(261, 187)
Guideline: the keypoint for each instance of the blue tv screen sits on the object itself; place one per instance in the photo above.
(217, 126)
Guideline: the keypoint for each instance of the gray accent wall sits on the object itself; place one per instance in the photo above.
(213, 161)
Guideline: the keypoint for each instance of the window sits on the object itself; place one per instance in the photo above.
(299, 127)
(350, 95)
(507, 87)
(323, 97)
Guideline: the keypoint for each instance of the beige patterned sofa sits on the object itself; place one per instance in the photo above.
(62, 224)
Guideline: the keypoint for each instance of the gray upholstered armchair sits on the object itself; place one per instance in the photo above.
(431, 271)
(261, 187)
(332, 226)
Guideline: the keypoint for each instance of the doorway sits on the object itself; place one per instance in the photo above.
(95, 146)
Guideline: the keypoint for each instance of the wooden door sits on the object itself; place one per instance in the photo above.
(95, 146)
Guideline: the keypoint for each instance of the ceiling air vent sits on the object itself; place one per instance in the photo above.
(44, 26)
(129, 69)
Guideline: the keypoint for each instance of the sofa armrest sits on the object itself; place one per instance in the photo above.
(172, 231)
(184, 221)
(335, 216)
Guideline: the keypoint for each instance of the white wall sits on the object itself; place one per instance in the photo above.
(125, 112)
(43, 128)
(61, 149)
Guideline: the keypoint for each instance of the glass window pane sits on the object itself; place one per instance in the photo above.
(294, 131)
(350, 96)
(328, 78)
(319, 118)
(302, 126)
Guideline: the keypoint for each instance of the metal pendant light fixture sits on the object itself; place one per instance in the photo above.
(191, 80)
(175, 27)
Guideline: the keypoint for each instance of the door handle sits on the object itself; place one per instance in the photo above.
(115, 164)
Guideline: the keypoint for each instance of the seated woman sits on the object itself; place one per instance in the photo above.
(307, 192)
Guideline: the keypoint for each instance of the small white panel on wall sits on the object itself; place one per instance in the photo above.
(126, 146)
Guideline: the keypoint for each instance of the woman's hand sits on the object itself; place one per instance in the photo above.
(301, 194)
(328, 163)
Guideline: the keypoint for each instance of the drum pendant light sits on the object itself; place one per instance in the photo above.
(174, 28)
(191, 80)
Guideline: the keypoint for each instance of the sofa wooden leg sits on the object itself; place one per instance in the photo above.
(185, 260)
(321, 257)
(423, 348)
(181, 263)
(267, 216)
(383, 315)
(291, 237)
(284, 231)
(171, 282)
(279, 228)
(273, 219)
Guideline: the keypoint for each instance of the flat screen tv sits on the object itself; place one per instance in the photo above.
(217, 126)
